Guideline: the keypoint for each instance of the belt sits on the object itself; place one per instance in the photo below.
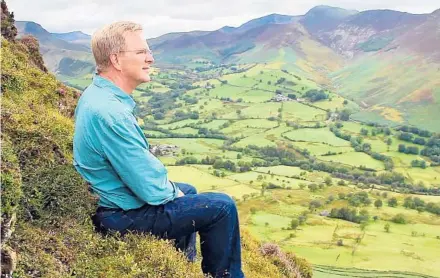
(102, 209)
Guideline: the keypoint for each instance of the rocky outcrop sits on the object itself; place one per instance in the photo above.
(8, 29)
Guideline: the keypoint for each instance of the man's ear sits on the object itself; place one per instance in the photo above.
(115, 61)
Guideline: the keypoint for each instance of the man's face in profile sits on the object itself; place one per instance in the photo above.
(137, 58)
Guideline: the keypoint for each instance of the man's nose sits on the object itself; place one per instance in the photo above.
(149, 59)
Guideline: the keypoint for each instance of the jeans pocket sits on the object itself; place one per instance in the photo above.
(116, 221)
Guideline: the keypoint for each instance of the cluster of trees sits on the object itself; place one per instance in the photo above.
(415, 130)
(315, 95)
(167, 133)
(408, 149)
(351, 215)
(420, 205)
(189, 99)
(300, 220)
(160, 104)
(338, 133)
(182, 115)
(409, 137)
(344, 114)
(211, 133)
(359, 198)
(281, 80)
(219, 163)
(432, 149)
(291, 96)
(273, 156)
(418, 163)
(381, 130)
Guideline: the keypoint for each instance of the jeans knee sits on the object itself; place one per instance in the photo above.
(227, 202)
(192, 189)
(186, 188)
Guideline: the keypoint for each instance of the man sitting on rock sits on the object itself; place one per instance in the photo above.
(112, 154)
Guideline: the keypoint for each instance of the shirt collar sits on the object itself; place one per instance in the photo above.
(125, 98)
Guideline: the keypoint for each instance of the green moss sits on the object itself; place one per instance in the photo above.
(11, 180)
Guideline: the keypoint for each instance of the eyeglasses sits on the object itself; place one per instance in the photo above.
(143, 51)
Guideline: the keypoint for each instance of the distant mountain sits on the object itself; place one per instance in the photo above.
(323, 18)
(46, 39)
(265, 20)
(76, 37)
(387, 61)
(367, 31)
(60, 50)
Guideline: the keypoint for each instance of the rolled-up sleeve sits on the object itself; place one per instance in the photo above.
(128, 153)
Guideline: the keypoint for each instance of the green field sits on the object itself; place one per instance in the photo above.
(355, 159)
(269, 197)
(319, 135)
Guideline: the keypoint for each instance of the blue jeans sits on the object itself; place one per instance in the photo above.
(213, 215)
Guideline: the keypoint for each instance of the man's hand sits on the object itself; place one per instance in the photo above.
(180, 194)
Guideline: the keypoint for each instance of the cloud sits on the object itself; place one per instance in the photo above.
(160, 17)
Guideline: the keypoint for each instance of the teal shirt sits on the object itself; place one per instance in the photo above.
(111, 152)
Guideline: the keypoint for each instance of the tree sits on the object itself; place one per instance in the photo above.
(378, 203)
(399, 219)
(392, 202)
(402, 148)
(313, 187)
(294, 224)
(291, 96)
(314, 204)
(328, 181)
(389, 141)
(387, 227)
(344, 115)
(302, 218)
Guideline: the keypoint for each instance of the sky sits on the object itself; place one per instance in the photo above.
(165, 16)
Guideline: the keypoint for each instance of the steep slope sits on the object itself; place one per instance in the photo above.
(399, 82)
(41, 189)
(60, 51)
(273, 39)
(215, 46)
(367, 31)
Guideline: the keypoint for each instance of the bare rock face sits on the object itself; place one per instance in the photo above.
(9, 262)
(8, 29)
(164, 150)
(7, 228)
(345, 38)
(9, 257)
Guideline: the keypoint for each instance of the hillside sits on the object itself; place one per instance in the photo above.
(386, 61)
(46, 230)
(64, 54)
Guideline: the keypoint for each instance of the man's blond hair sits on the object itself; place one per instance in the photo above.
(110, 39)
